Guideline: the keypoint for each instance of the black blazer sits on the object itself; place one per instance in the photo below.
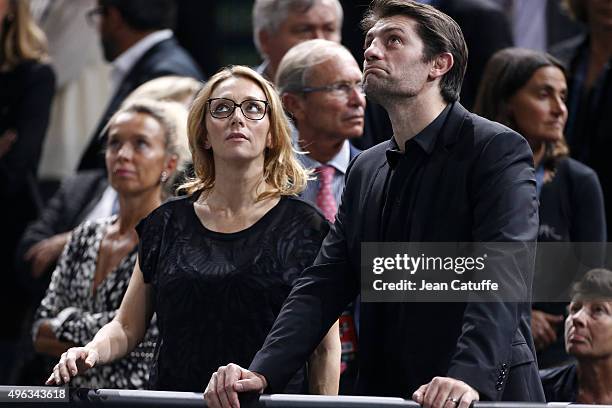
(26, 95)
(591, 142)
(164, 58)
(68, 207)
(478, 185)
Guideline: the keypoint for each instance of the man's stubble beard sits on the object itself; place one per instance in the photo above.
(385, 92)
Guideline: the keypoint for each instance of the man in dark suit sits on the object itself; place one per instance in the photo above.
(446, 176)
(137, 40)
(43, 240)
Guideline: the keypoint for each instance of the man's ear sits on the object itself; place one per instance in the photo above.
(442, 63)
(295, 105)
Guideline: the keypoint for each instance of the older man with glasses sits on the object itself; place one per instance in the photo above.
(320, 83)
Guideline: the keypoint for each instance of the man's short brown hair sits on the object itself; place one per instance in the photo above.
(439, 34)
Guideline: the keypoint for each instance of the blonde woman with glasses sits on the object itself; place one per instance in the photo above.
(216, 266)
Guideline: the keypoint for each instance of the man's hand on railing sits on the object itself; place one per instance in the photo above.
(445, 392)
(224, 385)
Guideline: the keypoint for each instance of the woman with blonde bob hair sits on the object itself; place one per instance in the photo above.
(216, 265)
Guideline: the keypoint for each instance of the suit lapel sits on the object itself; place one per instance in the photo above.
(374, 202)
(134, 78)
(430, 196)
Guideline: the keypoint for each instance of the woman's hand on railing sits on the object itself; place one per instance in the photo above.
(73, 362)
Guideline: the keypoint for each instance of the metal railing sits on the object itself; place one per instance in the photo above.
(110, 398)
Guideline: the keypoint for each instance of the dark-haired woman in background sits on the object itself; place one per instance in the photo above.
(27, 85)
(526, 90)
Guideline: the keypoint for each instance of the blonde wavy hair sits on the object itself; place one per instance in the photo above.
(21, 39)
(282, 171)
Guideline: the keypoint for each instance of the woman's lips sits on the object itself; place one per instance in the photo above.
(236, 136)
(124, 172)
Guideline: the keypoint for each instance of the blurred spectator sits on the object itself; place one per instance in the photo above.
(320, 83)
(278, 25)
(82, 87)
(94, 270)
(86, 196)
(588, 58)
(538, 24)
(526, 90)
(588, 338)
(486, 29)
(27, 83)
(137, 40)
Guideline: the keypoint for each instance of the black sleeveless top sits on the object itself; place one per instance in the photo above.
(217, 295)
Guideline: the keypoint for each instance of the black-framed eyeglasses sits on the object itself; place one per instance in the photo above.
(94, 16)
(221, 108)
(339, 88)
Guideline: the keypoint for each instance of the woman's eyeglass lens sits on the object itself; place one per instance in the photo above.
(221, 108)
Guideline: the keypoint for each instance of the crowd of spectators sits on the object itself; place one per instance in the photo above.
(196, 203)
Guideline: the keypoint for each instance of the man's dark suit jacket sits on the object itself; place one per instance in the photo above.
(68, 207)
(479, 186)
(164, 58)
(590, 142)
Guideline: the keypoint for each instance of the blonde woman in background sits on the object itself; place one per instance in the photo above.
(84, 196)
(87, 195)
(93, 272)
(27, 84)
(219, 263)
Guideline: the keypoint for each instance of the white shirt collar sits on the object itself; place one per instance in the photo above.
(124, 63)
(340, 161)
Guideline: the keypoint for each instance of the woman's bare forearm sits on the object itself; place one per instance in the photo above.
(127, 329)
(112, 342)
